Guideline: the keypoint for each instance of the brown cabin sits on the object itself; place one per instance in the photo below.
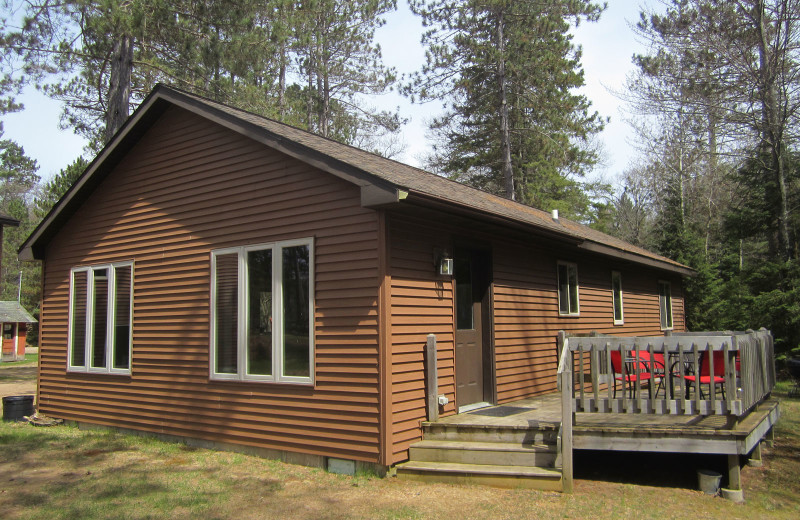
(220, 277)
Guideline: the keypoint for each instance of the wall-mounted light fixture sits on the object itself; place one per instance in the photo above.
(446, 266)
(442, 261)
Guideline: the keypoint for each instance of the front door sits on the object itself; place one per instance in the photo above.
(472, 312)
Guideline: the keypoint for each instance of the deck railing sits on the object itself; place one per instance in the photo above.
(748, 372)
(589, 383)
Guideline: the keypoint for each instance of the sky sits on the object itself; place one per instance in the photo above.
(607, 49)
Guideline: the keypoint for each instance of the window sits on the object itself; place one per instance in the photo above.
(464, 299)
(262, 312)
(100, 322)
(665, 304)
(568, 289)
(616, 297)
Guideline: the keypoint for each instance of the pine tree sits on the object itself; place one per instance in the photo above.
(17, 173)
(18, 177)
(56, 187)
(339, 61)
(244, 52)
(507, 71)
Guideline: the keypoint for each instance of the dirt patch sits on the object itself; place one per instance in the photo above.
(17, 380)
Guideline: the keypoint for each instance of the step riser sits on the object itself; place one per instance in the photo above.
(466, 456)
(503, 481)
(445, 433)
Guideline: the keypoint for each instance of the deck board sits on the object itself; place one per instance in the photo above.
(635, 432)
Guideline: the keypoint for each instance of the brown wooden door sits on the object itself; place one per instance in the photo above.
(471, 309)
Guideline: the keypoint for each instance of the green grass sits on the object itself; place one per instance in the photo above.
(66, 473)
(31, 360)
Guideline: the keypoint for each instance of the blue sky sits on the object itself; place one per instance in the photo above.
(607, 49)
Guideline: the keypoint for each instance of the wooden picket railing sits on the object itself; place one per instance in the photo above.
(748, 372)
(588, 383)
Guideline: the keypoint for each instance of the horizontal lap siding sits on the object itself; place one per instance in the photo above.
(186, 188)
(527, 320)
(421, 304)
(525, 312)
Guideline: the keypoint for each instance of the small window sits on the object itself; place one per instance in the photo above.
(568, 289)
(262, 313)
(665, 304)
(616, 297)
(101, 302)
(464, 299)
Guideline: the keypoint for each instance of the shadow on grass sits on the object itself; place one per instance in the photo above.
(90, 484)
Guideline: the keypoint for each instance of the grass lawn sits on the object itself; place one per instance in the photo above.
(64, 473)
(31, 360)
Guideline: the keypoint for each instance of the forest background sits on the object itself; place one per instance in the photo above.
(713, 100)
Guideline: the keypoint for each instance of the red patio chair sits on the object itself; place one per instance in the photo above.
(705, 376)
(646, 370)
(656, 366)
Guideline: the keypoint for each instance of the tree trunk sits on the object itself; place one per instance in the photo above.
(505, 134)
(771, 134)
(282, 69)
(310, 93)
(282, 84)
(326, 104)
(711, 173)
(217, 58)
(119, 88)
(323, 80)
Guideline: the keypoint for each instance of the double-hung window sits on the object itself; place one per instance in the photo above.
(262, 312)
(568, 300)
(665, 304)
(100, 318)
(616, 297)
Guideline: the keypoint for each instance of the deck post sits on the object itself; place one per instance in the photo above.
(734, 474)
(567, 416)
(755, 457)
(432, 379)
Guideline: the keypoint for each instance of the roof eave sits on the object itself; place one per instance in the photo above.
(441, 203)
(639, 259)
(581, 243)
(8, 221)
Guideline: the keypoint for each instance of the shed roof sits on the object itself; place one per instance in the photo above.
(382, 181)
(13, 312)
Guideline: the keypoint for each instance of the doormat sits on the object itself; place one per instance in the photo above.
(501, 411)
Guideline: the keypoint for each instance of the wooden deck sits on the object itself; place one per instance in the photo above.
(631, 431)
(602, 405)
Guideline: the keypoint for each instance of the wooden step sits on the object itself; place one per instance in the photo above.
(496, 453)
(490, 433)
(526, 477)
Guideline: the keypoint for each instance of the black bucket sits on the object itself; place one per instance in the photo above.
(16, 407)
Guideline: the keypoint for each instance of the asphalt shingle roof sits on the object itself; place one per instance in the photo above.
(13, 312)
(418, 180)
(359, 166)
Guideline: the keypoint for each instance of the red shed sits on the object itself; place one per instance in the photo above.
(15, 321)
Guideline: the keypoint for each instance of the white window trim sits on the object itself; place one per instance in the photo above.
(577, 288)
(277, 317)
(661, 320)
(110, 315)
(620, 321)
